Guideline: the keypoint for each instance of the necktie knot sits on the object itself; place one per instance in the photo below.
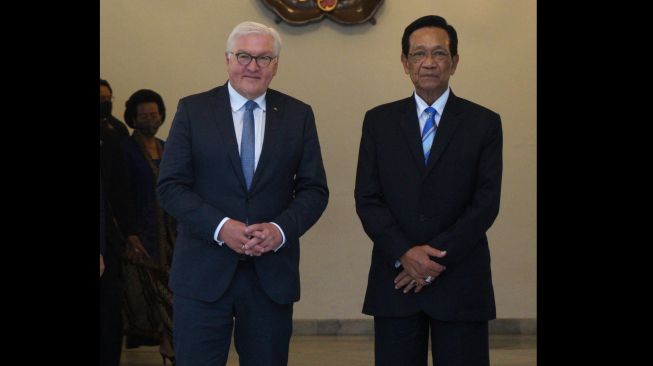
(250, 105)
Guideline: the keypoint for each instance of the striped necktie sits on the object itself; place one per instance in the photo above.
(428, 133)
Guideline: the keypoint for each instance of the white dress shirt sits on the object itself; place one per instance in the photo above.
(422, 116)
(438, 105)
(237, 112)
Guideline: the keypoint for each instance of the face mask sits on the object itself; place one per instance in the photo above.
(105, 109)
(147, 128)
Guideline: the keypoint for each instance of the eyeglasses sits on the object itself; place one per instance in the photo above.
(245, 58)
(419, 56)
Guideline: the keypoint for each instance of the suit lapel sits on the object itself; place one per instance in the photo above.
(225, 123)
(446, 128)
(409, 125)
(273, 115)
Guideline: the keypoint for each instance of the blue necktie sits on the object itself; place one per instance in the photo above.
(428, 133)
(247, 142)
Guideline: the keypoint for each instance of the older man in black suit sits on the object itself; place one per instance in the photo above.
(242, 173)
(427, 190)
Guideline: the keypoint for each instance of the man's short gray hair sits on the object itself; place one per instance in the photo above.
(245, 28)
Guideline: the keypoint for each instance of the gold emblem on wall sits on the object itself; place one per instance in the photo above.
(348, 12)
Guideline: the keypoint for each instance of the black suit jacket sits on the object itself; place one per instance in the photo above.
(102, 218)
(449, 204)
(201, 182)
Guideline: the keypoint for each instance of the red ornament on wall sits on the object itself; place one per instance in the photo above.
(298, 12)
(327, 5)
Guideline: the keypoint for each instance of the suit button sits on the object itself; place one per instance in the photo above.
(422, 218)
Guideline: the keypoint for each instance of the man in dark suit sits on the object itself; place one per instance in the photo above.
(427, 190)
(242, 173)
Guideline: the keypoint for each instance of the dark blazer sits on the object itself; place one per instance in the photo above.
(102, 218)
(118, 205)
(118, 192)
(201, 182)
(142, 181)
(449, 204)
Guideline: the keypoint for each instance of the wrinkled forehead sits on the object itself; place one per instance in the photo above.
(254, 41)
(423, 37)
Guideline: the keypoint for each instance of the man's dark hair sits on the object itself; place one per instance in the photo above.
(142, 96)
(106, 83)
(430, 21)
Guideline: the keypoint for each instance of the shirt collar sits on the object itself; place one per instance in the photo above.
(238, 101)
(438, 104)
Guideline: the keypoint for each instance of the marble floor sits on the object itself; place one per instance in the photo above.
(505, 350)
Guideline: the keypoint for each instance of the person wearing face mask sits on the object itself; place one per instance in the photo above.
(110, 126)
(112, 131)
(147, 306)
(119, 231)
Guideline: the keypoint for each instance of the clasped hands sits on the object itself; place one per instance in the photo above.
(253, 240)
(419, 269)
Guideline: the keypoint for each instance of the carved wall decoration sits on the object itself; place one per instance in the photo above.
(348, 12)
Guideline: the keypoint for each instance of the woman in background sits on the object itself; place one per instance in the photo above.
(148, 301)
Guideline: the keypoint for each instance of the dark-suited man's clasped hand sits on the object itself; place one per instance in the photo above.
(264, 237)
(418, 266)
(233, 234)
(254, 240)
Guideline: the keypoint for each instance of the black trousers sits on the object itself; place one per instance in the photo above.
(403, 341)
